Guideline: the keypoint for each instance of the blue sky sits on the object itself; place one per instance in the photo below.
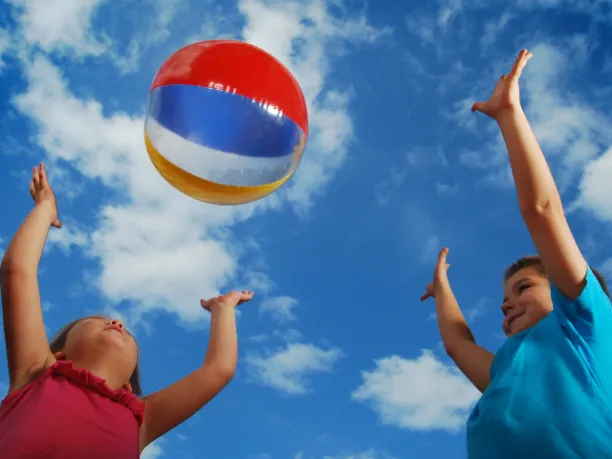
(338, 358)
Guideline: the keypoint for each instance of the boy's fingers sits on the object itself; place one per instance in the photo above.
(477, 107)
(35, 176)
(520, 63)
(442, 257)
(43, 175)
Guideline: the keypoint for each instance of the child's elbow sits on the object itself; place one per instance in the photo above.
(541, 210)
(225, 372)
(11, 268)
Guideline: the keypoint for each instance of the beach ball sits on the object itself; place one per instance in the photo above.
(226, 122)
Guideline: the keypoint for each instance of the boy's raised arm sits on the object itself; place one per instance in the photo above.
(26, 340)
(473, 360)
(538, 196)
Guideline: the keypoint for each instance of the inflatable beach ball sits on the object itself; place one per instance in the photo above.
(226, 122)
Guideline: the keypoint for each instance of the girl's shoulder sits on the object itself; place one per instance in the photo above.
(63, 379)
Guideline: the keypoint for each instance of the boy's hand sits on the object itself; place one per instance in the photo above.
(506, 95)
(440, 276)
(231, 299)
(41, 191)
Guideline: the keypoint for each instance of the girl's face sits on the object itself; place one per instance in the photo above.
(526, 300)
(95, 335)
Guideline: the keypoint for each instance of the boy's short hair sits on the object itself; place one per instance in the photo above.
(534, 261)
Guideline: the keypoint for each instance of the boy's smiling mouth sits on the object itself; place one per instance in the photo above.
(510, 320)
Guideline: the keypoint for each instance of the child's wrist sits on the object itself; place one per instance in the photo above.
(222, 306)
(47, 208)
(509, 114)
(442, 290)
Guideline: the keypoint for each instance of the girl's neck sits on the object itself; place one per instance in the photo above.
(102, 370)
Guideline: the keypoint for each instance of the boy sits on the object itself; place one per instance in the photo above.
(547, 393)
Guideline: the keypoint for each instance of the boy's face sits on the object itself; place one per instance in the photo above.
(526, 300)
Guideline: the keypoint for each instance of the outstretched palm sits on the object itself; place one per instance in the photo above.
(233, 299)
(40, 190)
(506, 94)
(440, 276)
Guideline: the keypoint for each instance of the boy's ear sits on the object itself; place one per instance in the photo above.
(59, 355)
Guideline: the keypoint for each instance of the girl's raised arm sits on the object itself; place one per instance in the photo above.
(171, 406)
(27, 346)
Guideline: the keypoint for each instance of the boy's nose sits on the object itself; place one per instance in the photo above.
(116, 322)
(507, 307)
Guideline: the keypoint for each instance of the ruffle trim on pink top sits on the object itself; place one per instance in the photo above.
(83, 377)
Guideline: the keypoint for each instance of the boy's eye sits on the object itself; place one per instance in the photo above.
(523, 287)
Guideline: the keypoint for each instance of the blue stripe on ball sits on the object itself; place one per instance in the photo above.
(223, 121)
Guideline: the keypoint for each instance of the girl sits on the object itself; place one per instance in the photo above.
(80, 397)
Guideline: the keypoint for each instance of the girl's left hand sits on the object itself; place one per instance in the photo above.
(506, 95)
(231, 299)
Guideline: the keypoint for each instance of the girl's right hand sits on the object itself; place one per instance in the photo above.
(440, 276)
(231, 299)
(41, 192)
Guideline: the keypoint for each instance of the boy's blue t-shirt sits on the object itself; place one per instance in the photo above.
(550, 394)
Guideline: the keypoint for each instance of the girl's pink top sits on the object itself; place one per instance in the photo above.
(69, 413)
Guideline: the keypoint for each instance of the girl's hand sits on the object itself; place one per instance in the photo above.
(41, 192)
(440, 279)
(506, 95)
(231, 299)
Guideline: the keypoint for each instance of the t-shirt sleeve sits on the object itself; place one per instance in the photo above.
(592, 306)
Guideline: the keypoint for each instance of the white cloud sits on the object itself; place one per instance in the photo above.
(445, 190)
(429, 27)
(606, 268)
(279, 307)
(258, 281)
(430, 249)
(423, 394)
(494, 28)
(289, 369)
(59, 25)
(387, 189)
(69, 236)
(153, 451)
(150, 29)
(595, 186)
(422, 239)
(5, 45)
(478, 310)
